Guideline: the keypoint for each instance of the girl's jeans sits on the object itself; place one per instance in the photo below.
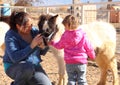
(76, 74)
(28, 74)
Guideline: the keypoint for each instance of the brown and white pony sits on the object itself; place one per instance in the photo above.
(101, 34)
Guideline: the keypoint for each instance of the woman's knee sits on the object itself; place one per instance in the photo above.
(27, 70)
(42, 78)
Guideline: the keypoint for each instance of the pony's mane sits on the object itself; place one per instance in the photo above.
(5, 19)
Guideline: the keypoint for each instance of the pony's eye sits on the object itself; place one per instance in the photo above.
(47, 30)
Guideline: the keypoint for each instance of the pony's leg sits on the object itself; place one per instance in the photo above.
(106, 60)
(62, 71)
(113, 67)
(59, 55)
(112, 62)
(103, 77)
(103, 65)
(62, 80)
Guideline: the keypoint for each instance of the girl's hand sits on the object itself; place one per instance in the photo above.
(49, 43)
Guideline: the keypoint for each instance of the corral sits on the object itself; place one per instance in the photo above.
(92, 74)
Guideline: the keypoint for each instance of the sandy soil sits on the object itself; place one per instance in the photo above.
(50, 65)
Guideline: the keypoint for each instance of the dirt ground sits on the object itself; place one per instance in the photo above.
(50, 66)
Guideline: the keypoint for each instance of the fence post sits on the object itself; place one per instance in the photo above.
(82, 14)
(108, 16)
(25, 9)
(47, 10)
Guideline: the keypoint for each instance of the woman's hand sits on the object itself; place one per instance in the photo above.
(37, 41)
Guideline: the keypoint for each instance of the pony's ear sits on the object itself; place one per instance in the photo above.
(53, 18)
(56, 15)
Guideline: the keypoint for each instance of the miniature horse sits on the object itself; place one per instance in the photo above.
(101, 34)
(4, 27)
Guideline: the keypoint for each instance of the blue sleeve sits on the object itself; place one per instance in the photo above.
(35, 31)
(15, 53)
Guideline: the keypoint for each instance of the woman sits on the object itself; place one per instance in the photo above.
(20, 63)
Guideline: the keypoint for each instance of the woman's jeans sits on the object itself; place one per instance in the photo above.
(76, 74)
(28, 74)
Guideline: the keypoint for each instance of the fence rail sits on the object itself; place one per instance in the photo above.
(80, 4)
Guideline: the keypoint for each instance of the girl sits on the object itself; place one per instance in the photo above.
(77, 48)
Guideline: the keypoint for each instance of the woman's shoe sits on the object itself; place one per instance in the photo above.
(12, 83)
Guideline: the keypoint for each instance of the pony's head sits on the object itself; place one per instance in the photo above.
(50, 25)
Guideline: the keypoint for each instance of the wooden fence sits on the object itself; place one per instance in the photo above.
(86, 12)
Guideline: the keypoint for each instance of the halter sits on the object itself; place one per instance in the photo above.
(48, 36)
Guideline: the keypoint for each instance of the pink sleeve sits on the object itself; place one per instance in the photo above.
(68, 40)
(60, 44)
(89, 49)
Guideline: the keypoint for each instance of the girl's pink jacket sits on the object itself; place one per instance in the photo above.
(77, 47)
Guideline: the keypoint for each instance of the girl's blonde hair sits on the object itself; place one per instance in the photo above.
(71, 21)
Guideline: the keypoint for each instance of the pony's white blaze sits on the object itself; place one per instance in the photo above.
(45, 26)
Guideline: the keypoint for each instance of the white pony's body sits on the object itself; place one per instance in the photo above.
(103, 36)
(99, 32)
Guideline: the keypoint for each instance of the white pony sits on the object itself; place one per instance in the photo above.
(4, 27)
(101, 34)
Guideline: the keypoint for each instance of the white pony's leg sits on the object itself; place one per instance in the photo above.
(106, 60)
(100, 60)
(113, 62)
(113, 67)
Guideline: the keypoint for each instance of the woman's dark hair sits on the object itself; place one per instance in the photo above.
(20, 18)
